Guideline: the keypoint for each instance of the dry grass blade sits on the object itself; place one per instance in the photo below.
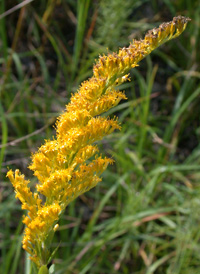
(19, 6)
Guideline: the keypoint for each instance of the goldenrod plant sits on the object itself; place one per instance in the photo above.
(70, 164)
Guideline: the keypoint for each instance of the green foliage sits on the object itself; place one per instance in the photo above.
(143, 218)
(112, 21)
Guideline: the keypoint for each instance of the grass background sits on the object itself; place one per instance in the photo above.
(144, 216)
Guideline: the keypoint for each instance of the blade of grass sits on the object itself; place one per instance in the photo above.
(88, 233)
(159, 262)
(12, 257)
(19, 6)
(174, 120)
(3, 31)
(4, 135)
(82, 15)
(145, 111)
(16, 260)
(10, 58)
(55, 45)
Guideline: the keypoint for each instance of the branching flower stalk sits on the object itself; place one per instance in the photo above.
(61, 165)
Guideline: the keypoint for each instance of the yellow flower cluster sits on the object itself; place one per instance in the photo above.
(69, 165)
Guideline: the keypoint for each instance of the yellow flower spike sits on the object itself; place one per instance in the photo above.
(52, 188)
(84, 154)
(77, 138)
(84, 172)
(106, 102)
(38, 230)
(69, 165)
(68, 120)
(26, 220)
(113, 65)
(89, 91)
(23, 193)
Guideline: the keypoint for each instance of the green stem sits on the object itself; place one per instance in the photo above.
(43, 270)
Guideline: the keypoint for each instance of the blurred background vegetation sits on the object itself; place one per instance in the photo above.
(143, 218)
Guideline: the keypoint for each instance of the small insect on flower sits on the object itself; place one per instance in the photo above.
(56, 227)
